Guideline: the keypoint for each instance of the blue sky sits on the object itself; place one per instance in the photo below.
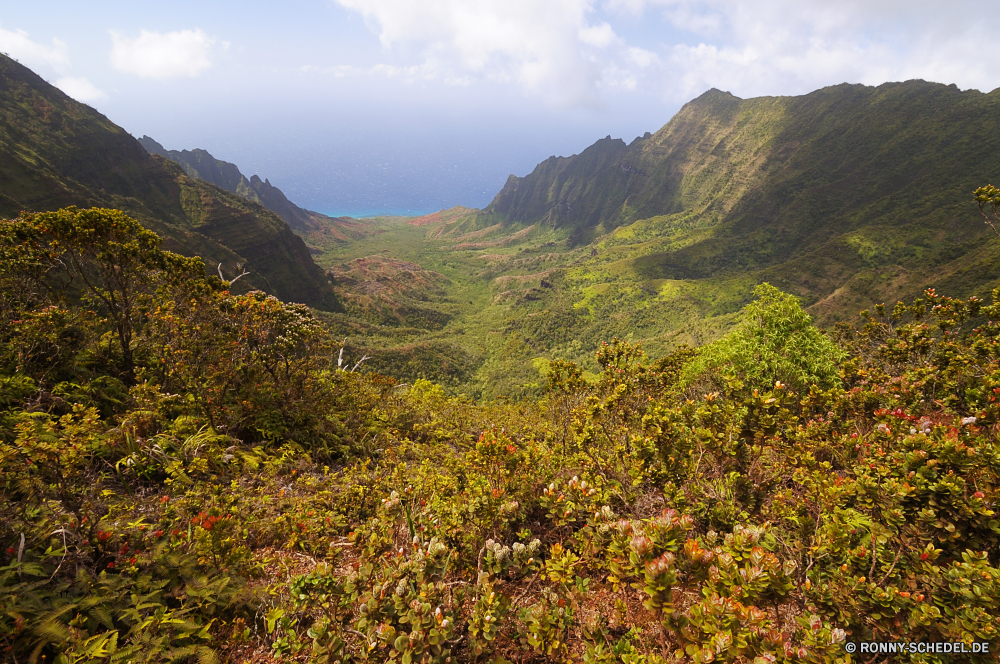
(368, 105)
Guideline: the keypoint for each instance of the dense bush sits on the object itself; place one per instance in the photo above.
(767, 499)
(773, 341)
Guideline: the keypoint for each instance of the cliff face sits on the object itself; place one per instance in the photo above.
(202, 165)
(56, 152)
(776, 175)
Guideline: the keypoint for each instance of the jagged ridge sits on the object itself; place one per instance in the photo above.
(56, 152)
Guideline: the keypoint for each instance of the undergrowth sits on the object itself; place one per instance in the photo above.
(214, 486)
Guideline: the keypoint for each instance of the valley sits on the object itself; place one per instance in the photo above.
(661, 241)
(726, 393)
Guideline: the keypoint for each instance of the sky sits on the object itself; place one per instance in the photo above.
(410, 106)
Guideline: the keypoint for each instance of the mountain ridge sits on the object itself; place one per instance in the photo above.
(692, 140)
(772, 176)
(56, 152)
(200, 164)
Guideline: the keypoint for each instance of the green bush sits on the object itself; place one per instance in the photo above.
(774, 341)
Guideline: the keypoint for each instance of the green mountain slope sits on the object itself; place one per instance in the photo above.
(56, 152)
(201, 165)
(846, 196)
(809, 191)
(821, 155)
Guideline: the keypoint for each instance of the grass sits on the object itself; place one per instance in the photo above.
(503, 310)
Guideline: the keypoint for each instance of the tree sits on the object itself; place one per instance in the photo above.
(100, 255)
(774, 340)
(252, 364)
(989, 196)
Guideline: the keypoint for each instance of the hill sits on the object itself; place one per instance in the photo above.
(776, 497)
(860, 179)
(845, 196)
(836, 152)
(56, 152)
(184, 476)
(201, 165)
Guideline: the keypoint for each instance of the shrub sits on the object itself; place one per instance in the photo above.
(774, 341)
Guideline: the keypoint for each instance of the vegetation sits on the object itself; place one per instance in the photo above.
(191, 472)
(773, 341)
(842, 197)
(218, 485)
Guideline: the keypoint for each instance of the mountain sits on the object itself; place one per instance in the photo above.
(202, 165)
(851, 178)
(725, 158)
(56, 152)
(847, 196)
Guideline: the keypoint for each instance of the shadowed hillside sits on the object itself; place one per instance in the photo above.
(201, 165)
(56, 152)
(835, 153)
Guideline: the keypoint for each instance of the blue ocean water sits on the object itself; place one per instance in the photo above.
(376, 179)
(393, 168)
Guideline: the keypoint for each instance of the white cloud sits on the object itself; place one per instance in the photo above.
(573, 52)
(80, 89)
(642, 57)
(184, 53)
(18, 45)
(598, 35)
(790, 47)
(544, 46)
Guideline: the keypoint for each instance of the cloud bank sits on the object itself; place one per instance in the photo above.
(549, 48)
(179, 54)
(780, 46)
(581, 52)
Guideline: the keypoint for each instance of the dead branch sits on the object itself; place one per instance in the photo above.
(239, 266)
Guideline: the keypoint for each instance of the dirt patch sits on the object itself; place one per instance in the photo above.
(441, 216)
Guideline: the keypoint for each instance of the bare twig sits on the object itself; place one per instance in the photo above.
(986, 217)
(239, 266)
(340, 357)
(528, 589)
(20, 552)
(891, 567)
(65, 551)
(871, 572)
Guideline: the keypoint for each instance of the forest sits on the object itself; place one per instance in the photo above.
(194, 474)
